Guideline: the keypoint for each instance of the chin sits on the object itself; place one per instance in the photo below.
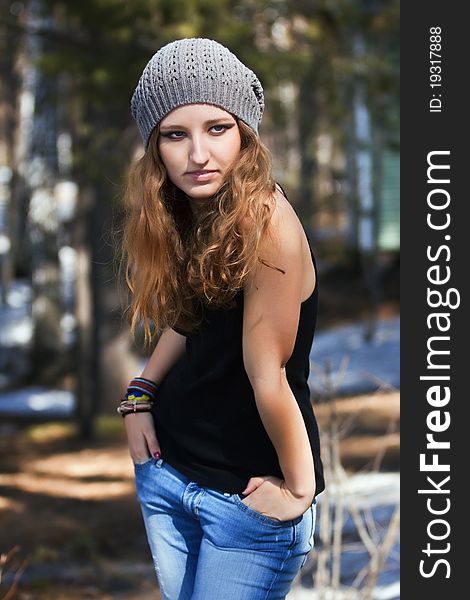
(205, 191)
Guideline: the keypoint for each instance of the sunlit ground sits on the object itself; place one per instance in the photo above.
(70, 507)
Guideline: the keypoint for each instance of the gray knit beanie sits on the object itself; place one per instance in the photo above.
(195, 70)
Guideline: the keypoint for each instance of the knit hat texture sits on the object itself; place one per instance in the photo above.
(195, 70)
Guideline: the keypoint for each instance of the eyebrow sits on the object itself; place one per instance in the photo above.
(223, 120)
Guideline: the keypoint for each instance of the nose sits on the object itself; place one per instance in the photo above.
(199, 152)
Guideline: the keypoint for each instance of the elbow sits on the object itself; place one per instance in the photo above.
(268, 384)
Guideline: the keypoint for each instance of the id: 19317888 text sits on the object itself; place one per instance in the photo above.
(435, 69)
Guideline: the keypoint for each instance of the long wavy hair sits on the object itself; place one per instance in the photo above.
(176, 263)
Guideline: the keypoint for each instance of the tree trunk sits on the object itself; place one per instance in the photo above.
(307, 137)
(87, 373)
(367, 193)
(49, 360)
(8, 91)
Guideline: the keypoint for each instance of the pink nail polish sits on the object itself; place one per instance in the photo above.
(157, 455)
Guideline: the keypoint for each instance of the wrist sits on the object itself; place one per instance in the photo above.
(300, 492)
(139, 397)
(143, 385)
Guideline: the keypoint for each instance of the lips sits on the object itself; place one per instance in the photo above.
(200, 172)
(202, 175)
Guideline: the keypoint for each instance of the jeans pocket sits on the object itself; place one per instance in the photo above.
(140, 465)
(146, 477)
(257, 515)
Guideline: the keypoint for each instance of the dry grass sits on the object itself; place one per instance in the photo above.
(368, 425)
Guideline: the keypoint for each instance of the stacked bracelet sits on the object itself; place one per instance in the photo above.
(139, 397)
(140, 385)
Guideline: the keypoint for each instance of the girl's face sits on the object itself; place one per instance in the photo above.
(197, 144)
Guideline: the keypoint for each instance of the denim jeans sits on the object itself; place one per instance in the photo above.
(209, 545)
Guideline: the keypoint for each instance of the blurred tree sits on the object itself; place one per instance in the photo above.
(348, 88)
(8, 93)
(39, 166)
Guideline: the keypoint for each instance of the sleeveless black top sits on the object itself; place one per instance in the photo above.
(206, 418)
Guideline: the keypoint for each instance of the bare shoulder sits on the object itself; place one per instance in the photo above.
(285, 225)
(273, 293)
(286, 248)
(280, 252)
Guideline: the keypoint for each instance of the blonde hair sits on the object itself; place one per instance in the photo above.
(175, 263)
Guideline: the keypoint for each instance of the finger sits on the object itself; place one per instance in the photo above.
(153, 445)
(253, 484)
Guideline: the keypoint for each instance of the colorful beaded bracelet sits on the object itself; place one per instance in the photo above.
(141, 385)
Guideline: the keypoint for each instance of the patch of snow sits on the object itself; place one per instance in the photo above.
(37, 401)
(368, 489)
(370, 364)
(385, 592)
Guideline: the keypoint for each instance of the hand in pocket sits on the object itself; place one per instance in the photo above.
(141, 437)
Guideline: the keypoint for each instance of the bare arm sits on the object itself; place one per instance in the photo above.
(140, 428)
(169, 349)
(270, 323)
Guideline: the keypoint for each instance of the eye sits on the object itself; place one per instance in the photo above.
(173, 135)
(178, 135)
(221, 128)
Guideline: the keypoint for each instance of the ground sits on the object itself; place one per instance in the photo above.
(69, 507)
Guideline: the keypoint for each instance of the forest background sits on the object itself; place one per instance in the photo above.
(330, 73)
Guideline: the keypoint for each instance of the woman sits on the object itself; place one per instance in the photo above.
(220, 426)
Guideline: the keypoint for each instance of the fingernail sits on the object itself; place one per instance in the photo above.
(156, 455)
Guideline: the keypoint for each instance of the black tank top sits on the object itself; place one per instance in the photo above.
(205, 415)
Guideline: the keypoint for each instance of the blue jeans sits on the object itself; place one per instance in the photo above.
(209, 545)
